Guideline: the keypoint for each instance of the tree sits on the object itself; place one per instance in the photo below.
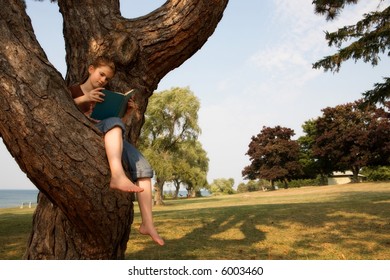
(349, 137)
(222, 186)
(252, 186)
(78, 216)
(376, 173)
(368, 38)
(273, 155)
(312, 166)
(190, 167)
(171, 125)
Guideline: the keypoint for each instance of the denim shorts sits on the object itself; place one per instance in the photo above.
(138, 166)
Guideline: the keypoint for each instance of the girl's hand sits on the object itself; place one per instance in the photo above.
(131, 106)
(95, 95)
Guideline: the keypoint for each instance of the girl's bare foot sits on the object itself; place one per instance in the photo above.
(153, 234)
(124, 184)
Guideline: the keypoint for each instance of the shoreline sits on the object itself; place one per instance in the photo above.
(18, 198)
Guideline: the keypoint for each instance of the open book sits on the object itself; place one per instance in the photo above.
(114, 105)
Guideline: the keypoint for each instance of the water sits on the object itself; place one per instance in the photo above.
(15, 198)
(184, 193)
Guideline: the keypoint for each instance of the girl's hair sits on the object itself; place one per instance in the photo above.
(97, 62)
(103, 61)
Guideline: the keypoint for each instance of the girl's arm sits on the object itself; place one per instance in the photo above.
(86, 101)
(79, 101)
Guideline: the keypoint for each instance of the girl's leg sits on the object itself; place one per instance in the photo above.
(142, 173)
(145, 205)
(114, 145)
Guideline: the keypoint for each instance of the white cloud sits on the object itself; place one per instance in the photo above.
(295, 47)
(280, 58)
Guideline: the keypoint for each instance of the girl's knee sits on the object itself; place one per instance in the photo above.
(111, 123)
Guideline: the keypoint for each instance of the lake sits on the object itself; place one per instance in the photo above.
(15, 198)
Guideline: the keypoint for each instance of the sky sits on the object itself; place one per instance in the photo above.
(254, 71)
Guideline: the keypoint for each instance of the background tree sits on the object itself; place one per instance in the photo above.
(376, 173)
(222, 186)
(368, 38)
(350, 138)
(171, 125)
(273, 155)
(78, 216)
(190, 168)
(252, 186)
(312, 166)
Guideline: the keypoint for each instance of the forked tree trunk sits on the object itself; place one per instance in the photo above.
(78, 216)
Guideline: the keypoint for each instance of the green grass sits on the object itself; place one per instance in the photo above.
(15, 227)
(327, 223)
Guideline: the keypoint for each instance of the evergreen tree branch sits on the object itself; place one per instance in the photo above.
(374, 38)
(379, 94)
(331, 8)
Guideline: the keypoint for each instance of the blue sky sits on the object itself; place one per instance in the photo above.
(254, 71)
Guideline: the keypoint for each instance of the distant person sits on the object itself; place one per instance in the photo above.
(85, 95)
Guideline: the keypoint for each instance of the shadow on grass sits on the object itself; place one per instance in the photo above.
(349, 227)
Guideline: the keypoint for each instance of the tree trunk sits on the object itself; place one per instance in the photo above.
(191, 192)
(323, 179)
(159, 192)
(60, 239)
(355, 174)
(272, 184)
(78, 216)
(177, 189)
(285, 183)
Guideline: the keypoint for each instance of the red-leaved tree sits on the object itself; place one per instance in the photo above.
(273, 155)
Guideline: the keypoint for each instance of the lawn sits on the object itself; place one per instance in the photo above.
(326, 223)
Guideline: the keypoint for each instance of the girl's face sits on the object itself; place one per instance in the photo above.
(100, 76)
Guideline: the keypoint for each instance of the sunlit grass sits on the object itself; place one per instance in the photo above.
(328, 223)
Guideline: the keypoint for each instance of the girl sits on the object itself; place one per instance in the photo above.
(85, 95)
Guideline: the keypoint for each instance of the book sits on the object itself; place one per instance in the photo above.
(114, 105)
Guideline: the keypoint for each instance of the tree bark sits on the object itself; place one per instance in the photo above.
(78, 216)
(159, 192)
(355, 174)
(177, 188)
